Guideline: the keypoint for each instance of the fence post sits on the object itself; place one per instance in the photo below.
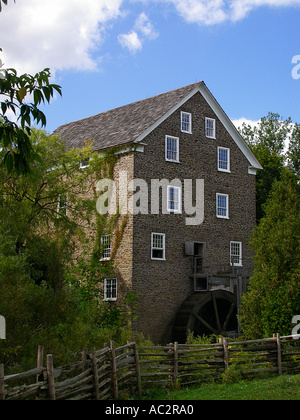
(279, 356)
(114, 371)
(50, 376)
(138, 369)
(2, 393)
(226, 355)
(175, 363)
(40, 362)
(85, 353)
(95, 374)
(40, 357)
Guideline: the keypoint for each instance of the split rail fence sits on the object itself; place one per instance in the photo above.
(113, 373)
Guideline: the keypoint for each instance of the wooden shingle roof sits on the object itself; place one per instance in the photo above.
(122, 125)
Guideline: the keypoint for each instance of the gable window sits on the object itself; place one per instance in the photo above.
(222, 206)
(110, 290)
(174, 199)
(223, 159)
(84, 164)
(186, 122)
(236, 253)
(105, 247)
(158, 246)
(172, 149)
(210, 128)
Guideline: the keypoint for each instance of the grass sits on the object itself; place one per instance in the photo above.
(286, 387)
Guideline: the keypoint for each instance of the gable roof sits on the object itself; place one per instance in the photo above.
(132, 123)
(121, 125)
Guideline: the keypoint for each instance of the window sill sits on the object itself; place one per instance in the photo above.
(224, 171)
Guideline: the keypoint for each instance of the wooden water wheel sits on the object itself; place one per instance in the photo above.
(206, 313)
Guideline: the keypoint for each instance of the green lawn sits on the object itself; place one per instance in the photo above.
(286, 387)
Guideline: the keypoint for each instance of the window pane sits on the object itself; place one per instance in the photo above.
(173, 199)
(158, 246)
(222, 206)
(156, 253)
(111, 289)
(106, 246)
(172, 148)
(186, 122)
(210, 127)
(223, 159)
(236, 253)
(157, 241)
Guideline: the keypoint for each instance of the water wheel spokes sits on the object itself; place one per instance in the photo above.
(232, 308)
(206, 324)
(216, 311)
(214, 314)
(207, 313)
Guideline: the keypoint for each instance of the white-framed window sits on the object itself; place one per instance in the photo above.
(62, 205)
(210, 128)
(186, 122)
(84, 163)
(236, 253)
(223, 206)
(110, 290)
(158, 246)
(105, 247)
(174, 199)
(223, 159)
(172, 149)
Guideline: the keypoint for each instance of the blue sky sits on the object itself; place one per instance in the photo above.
(107, 53)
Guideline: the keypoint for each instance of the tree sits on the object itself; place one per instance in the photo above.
(15, 138)
(294, 150)
(50, 284)
(273, 297)
(268, 141)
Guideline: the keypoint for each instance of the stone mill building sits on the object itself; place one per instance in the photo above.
(184, 251)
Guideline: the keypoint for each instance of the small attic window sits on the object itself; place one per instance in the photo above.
(186, 122)
(210, 128)
(84, 163)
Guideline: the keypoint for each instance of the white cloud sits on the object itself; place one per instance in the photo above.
(131, 41)
(201, 11)
(60, 34)
(144, 26)
(211, 12)
(240, 121)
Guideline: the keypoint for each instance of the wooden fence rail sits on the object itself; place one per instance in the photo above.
(112, 372)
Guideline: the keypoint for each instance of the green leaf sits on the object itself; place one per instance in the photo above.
(9, 162)
(3, 107)
(21, 94)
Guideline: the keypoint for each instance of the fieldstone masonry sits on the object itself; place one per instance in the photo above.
(163, 285)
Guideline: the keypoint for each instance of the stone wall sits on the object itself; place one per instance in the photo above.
(163, 285)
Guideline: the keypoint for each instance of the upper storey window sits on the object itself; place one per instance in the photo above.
(186, 122)
(223, 159)
(172, 149)
(210, 128)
